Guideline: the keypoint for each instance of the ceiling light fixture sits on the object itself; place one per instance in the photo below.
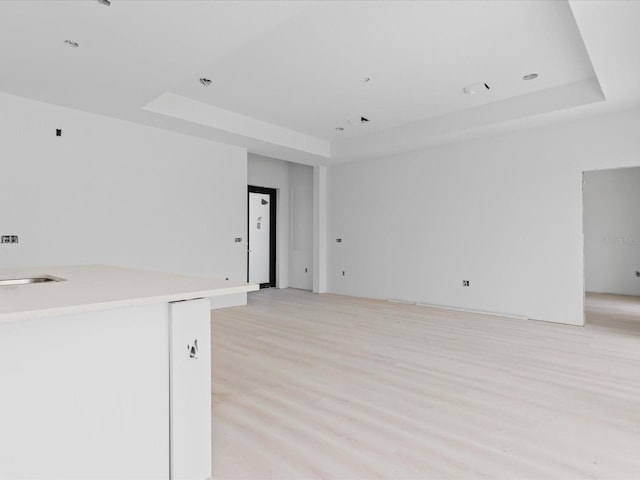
(71, 43)
(105, 2)
(205, 81)
(358, 121)
(339, 129)
(365, 79)
(530, 76)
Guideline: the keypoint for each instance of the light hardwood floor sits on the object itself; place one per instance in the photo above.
(331, 387)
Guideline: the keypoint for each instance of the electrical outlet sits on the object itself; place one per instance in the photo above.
(306, 270)
(637, 273)
(338, 240)
(9, 239)
(466, 283)
(343, 273)
(238, 239)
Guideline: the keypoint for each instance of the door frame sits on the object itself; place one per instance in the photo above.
(272, 192)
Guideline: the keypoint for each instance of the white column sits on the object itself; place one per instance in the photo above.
(319, 229)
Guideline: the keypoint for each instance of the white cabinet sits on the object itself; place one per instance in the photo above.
(190, 391)
(121, 393)
(86, 396)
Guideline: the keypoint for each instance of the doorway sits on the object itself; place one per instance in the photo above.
(611, 232)
(261, 252)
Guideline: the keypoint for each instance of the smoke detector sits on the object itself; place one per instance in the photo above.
(476, 88)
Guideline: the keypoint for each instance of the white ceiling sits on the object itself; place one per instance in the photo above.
(285, 74)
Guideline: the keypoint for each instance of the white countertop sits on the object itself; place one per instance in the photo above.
(98, 287)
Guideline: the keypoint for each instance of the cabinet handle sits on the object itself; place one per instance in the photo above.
(193, 350)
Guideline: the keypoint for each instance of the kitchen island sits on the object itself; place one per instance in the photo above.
(105, 373)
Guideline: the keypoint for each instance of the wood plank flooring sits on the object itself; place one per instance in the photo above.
(329, 387)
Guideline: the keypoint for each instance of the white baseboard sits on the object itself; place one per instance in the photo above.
(459, 309)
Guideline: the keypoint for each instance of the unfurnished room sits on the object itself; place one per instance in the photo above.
(319, 239)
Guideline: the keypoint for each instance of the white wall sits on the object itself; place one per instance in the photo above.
(320, 246)
(504, 212)
(301, 259)
(612, 231)
(294, 184)
(118, 193)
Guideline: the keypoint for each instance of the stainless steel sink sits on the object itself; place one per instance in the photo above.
(28, 280)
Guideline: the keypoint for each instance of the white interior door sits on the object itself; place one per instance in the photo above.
(259, 234)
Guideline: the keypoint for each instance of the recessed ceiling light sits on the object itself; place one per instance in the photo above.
(365, 79)
(530, 76)
(71, 43)
(476, 88)
(339, 129)
(205, 81)
(358, 121)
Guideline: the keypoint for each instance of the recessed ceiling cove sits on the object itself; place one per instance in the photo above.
(288, 76)
(306, 74)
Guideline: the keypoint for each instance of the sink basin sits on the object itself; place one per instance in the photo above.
(28, 280)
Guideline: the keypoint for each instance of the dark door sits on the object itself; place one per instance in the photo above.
(261, 255)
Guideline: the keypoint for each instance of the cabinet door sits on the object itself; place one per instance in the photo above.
(85, 396)
(190, 378)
